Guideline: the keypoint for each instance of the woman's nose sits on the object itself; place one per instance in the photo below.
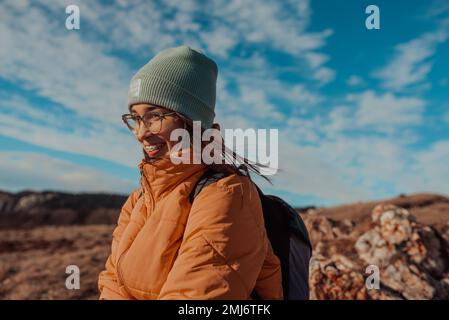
(142, 132)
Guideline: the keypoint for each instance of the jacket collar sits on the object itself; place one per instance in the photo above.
(162, 175)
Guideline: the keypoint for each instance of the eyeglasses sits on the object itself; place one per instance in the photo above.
(151, 120)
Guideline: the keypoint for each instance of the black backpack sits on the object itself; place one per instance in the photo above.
(288, 236)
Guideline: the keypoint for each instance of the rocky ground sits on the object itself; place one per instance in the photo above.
(410, 258)
(405, 238)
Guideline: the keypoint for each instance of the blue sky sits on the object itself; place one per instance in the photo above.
(362, 114)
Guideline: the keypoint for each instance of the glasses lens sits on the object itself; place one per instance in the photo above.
(131, 122)
(153, 122)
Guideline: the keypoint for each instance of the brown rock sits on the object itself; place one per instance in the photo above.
(412, 258)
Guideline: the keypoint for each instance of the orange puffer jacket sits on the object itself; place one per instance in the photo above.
(166, 248)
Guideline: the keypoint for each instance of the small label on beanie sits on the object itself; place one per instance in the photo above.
(134, 88)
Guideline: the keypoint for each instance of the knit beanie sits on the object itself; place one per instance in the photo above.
(180, 79)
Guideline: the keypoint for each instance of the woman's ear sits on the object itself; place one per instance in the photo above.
(216, 126)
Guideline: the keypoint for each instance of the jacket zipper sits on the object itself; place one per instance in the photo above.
(142, 175)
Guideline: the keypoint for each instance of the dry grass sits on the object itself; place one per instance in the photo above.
(33, 261)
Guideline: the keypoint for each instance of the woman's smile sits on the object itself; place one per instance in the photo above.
(154, 149)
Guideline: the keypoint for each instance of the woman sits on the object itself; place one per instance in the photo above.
(165, 246)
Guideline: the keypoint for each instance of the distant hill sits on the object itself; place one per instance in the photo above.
(428, 208)
(29, 209)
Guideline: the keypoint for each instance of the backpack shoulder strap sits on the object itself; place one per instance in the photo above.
(206, 179)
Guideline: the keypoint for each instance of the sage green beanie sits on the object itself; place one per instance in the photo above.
(180, 79)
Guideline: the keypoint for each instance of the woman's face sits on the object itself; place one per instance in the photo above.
(156, 144)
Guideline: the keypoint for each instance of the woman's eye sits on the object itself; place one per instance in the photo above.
(151, 116)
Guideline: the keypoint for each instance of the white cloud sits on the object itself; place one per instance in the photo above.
(429, 169)
(218, 26)
(27, 170)
(316, 59)
(412, 62)
(365, 165)
(253, 104)
(355, 81)
(370, 112)
(365, 158)
(254, 93)
(324, 75)
(280, 26)
(386, 111)
(270, 22)
(42, 55)
(344, 169)
(134, 26)
(257, 101)
(320, 156)
(302, 130)
(311, 171)
(339, 167)
(340, 118)
(221, 40)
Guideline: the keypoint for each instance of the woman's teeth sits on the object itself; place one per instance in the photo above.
(153, 147)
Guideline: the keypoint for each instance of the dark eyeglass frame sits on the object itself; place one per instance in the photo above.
(138, 119)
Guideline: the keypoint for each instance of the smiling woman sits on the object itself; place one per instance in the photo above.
(167, 246)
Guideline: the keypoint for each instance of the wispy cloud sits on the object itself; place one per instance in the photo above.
(367, 112)
(346, 167)
(386, 111)
(412, 60)
(42, 55)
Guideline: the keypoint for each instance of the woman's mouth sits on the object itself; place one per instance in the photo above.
(153, 149)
